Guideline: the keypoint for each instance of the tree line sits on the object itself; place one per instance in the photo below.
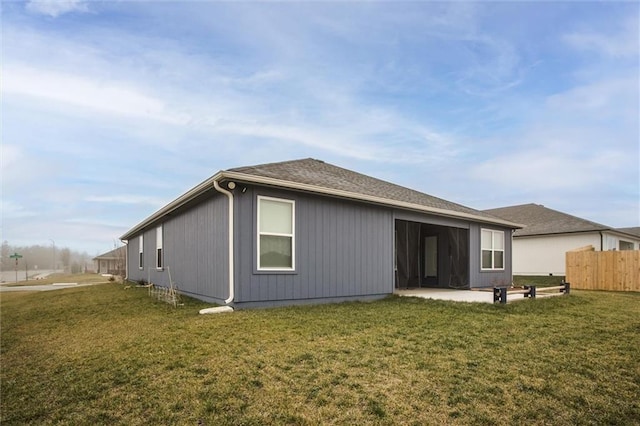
(45, 257)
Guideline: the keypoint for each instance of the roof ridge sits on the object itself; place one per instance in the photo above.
(367, 178)
(541, 220)
(273, 163)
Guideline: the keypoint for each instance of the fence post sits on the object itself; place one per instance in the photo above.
(532, 291)
(567, 288)
(500, 295)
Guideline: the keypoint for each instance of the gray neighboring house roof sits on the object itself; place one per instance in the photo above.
(634, 230)
(316, 176)
(115, 254)
(540, 220)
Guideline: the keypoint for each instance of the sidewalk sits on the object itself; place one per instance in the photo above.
(45, 287)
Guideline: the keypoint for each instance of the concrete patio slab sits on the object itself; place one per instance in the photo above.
(448, 294)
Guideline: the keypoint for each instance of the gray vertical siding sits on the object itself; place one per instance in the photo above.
(195, 250)
(343, 249)
(480, 278)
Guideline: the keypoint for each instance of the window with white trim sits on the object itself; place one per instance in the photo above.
(276, 234)
(492, 243)
(625, 245)
(159, 247)
(141, 252)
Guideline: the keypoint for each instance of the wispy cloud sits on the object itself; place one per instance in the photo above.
(55, 8)
(104, 96)
(613, 97)
(126, 199)
(621, 41)
(14, 210)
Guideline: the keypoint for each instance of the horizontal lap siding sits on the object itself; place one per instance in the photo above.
(342, 249)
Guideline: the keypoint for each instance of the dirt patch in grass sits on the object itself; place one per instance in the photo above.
(105, 354)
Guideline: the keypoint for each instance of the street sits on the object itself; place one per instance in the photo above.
(9, 276)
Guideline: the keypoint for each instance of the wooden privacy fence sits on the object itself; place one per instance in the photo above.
(604, 270)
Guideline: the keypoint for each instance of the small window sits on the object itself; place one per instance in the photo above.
(492, 243)
(625, 245)
(159, 247)
(141, 252)
(276, 234)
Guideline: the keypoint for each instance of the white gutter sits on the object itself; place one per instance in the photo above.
(175, 204)
(231, 271)
(204, 186)
(363, 197)
(126, 261)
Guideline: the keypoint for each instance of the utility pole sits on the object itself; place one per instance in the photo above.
(53, 260)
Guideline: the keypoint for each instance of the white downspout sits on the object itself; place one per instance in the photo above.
(231, 270)
(126, 260)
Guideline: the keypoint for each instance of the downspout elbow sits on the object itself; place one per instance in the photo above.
(229, 195)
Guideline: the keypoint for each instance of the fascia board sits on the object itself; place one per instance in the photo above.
(175, 204)
(247, 178)
(362, 197)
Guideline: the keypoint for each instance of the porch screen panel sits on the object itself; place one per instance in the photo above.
(459, 257)
(407, 254)
(401, 254)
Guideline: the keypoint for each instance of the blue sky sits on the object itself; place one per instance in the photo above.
(112, 109)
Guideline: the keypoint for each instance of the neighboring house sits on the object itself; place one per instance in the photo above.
(112, 262)
(539, 247)
(305, 231)
(634, 230)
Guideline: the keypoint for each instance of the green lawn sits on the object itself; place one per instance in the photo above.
(542, 280)
(109, 355)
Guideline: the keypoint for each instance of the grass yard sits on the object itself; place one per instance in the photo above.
(538, 280)
(109, 355)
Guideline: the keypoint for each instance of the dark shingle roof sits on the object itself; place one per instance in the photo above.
(540, 220)
(318, 173)
(316, 176)
(118, 253)
(634, 230)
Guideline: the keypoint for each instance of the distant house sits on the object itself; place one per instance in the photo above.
(539, 247)
(634, 230)
(112, 262)
(306, 231)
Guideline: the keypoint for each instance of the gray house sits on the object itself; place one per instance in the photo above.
(306, 231)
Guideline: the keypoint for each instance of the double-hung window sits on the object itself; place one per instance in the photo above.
(276, 234)
(141, 252)
(159, 247)
(492, 243)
